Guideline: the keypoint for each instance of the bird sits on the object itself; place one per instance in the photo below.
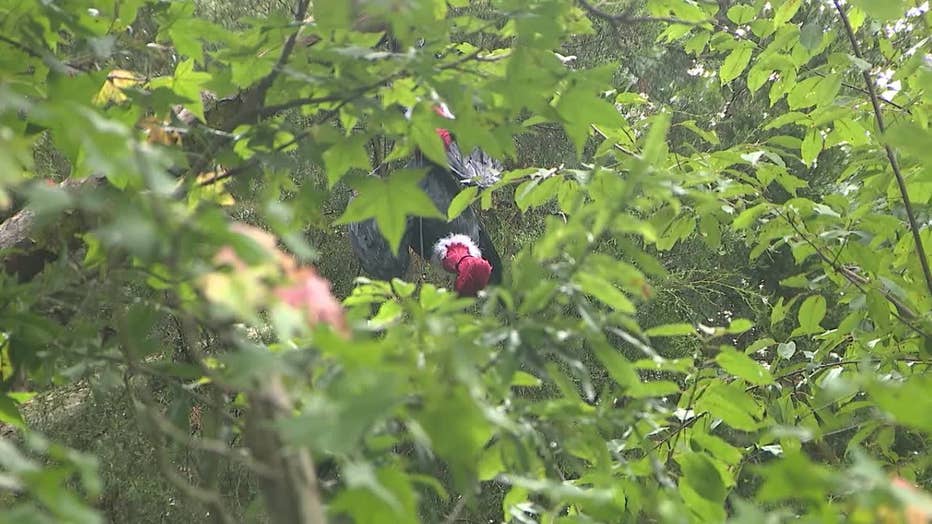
(461, 246)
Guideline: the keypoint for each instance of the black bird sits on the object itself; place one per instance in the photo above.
(461, 246)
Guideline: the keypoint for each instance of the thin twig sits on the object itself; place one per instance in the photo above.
(25, 49)
(903, 312)
(891, 155)
(616, 145)
(676, 433)
(209, 445)
(822, 367)
(686, 423)
(210, 498)
(254, 161)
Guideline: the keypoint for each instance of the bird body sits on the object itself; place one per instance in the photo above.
(461, 246)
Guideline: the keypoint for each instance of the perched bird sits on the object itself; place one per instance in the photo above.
(461, 246)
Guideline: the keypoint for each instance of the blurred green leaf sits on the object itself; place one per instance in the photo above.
(390, 202)
(743, 366)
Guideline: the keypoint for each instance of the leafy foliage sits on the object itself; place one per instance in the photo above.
(717, 303)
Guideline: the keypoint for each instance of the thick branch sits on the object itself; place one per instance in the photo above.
(891, 155)
(24, 257)
(292, 496)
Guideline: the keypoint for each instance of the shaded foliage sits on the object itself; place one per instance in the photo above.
(714, 224)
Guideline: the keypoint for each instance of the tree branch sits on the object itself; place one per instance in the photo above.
(24, 256)
(210, 498)
(891, 155)
(628, 19)
(292, 497)
(263, 87)
(903, 312)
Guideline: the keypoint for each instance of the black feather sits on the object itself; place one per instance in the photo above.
(373, 252)
(441, 185)
(478, 168)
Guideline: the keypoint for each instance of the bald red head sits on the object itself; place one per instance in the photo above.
(459, 254)
(472, 276)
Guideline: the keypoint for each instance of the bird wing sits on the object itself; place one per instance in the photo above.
(373, 252)
(489, 253)
(477, 168)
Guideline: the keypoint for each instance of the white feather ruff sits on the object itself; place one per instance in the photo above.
(440, 248)
(445, 111)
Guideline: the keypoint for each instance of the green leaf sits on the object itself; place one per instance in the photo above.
(757, 77)
(791, 117)
(605, 291)
(522, 378)
(344, 155)
(735, 62)
(803, 93)
(826, 90)
(390, 202)
(811, 35)
(811, 313)
(424, 133)
(730, 403)
(739, 325)
(700, 473)
(718, 447)
(580, 108)
(654, 388)
(333, 14)
(811, 147)
(618, 367)
(697, 43)
(189, 83)
(458, 440)
(882, 10)
(379, 497)
(536, 192)
(708, 136)
(671, 330)
(747, 217)
(741, 14)
(710, 230)
(785, 12)
(655, 145)
(9, 412)
(743, 366)
(909, 402)
(794, 477)
(461, 201)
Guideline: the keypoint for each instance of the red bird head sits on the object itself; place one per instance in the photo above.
(459, 254)
(444, 111)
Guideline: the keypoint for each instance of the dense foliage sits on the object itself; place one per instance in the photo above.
(716, 223)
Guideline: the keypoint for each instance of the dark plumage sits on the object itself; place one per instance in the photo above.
(421, 234)
(373, 253)
(462, 244)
